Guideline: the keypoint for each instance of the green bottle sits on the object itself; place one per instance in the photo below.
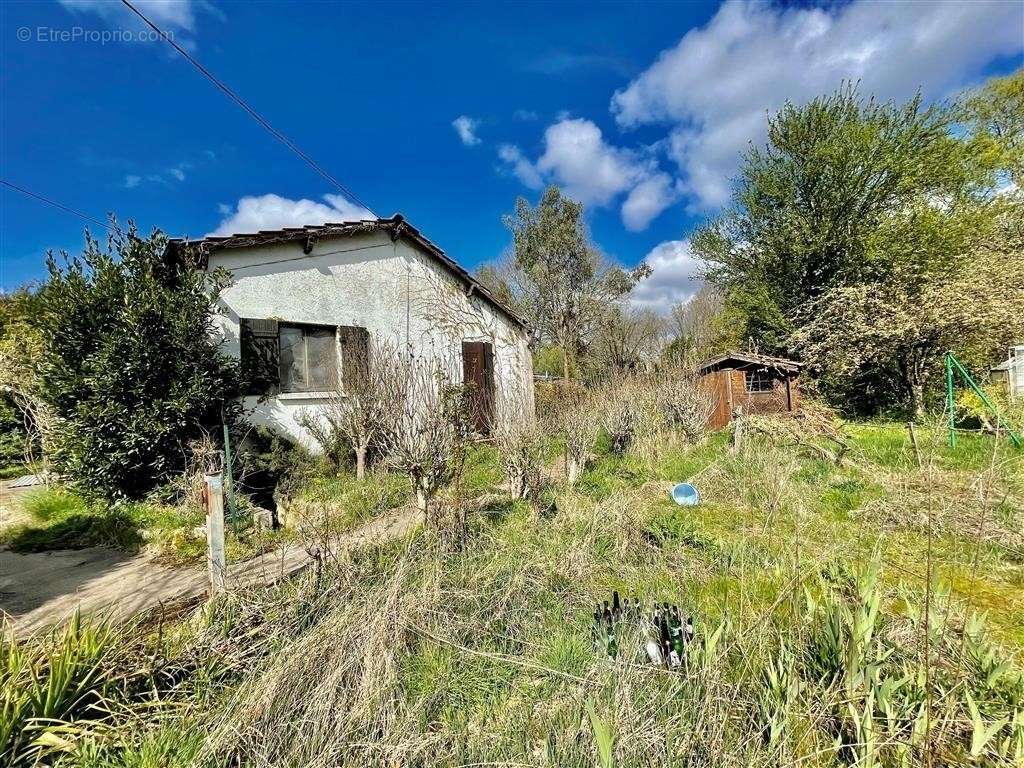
(677, 635)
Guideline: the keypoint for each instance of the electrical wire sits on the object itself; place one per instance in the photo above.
(249, 110)
(61, 206)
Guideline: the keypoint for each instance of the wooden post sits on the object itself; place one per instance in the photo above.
(215, 558)
(737, 430)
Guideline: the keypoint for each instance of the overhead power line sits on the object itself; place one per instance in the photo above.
(61, 206)
(248, 109)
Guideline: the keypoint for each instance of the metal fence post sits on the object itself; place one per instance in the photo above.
(215, 557)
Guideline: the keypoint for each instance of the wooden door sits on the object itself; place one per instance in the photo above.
(478, 376)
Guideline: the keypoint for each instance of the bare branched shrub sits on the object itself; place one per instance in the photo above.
(358, 409)
(576, 419)
(321, 425)
(620, 414)
(629, 414)
(520, 442)
(426, 425)
(20, 352)
(186, 489)
(684, 404)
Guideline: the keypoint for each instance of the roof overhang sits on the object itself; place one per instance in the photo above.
(748, 360)
(395, 227)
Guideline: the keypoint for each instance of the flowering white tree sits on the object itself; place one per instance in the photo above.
(908, 326)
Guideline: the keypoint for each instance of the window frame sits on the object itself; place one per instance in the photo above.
(754, 381)
(306, 328)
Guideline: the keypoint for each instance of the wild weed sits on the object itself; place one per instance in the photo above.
(43, 687)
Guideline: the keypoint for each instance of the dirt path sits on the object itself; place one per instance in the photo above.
(39, 590)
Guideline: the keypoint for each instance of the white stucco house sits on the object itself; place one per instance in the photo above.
(300, 296)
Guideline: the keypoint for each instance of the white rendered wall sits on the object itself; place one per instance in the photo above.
(399, 294)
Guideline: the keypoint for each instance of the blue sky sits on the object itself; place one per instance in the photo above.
(444, 112)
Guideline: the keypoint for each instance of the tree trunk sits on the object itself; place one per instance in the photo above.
(422, 501)
(360, 463)
(914, 374)
(917, 398)
(565, 363)
(573, 469)
(517, 483)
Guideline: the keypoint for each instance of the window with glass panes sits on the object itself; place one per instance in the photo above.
(759, 381)
(308, 358)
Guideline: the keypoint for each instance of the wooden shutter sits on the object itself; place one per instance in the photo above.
(355, 356)
(261, 351)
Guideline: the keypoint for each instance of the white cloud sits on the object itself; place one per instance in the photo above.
(647, 200)
(521, 167)
(716, 85)
(592, 171)
(130, 181)
(178, 173)
(526, 115)
(169, 15)
(674, 277)
(254, 213)
(588, 169)
(466, 127)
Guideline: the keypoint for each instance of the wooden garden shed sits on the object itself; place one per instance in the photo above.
(755, 383)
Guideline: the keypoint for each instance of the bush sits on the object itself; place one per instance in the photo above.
(1011, 411)
(130, 366)
(684, 404)
(629, 413)
(575, 418)
(427, 430)
(268, 466)
(521, 446)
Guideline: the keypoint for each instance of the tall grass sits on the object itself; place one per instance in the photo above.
(48, 504)
(434, 657)
(60, 519)
(821, 639)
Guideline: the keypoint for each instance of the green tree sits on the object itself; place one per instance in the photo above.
(905, 328)
(994, 117)
(857, 212)
(130, 367)
(808, 203)
(557, 278)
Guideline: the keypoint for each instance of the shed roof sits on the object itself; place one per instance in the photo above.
(743, 359)
(395, 226)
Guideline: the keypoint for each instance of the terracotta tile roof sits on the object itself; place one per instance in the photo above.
(395, 226)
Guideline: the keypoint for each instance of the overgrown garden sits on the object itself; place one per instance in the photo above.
(855, 587)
